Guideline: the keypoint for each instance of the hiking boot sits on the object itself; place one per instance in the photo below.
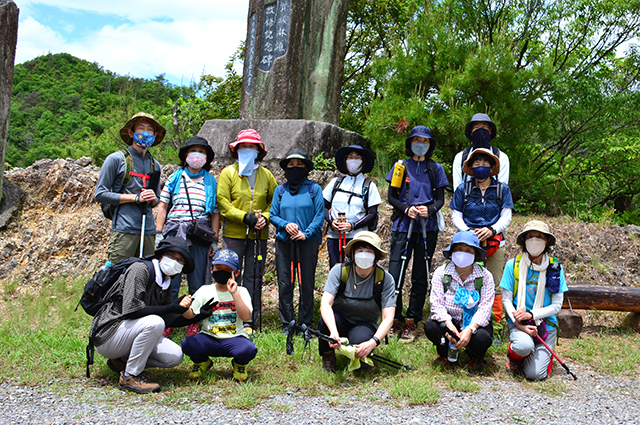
(116, 365)
(514, 366)
(239, 371)
(167, 332)
(396, 329)
(442, 361)
(138, 384)
(329, 362)
(192, 330)
(408, 335)
(200, 368)
(477, 364)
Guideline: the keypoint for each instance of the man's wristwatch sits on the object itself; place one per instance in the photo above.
(137, 198)
(375, 338)
(473, 330)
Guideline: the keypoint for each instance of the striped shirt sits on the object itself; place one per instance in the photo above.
(179, 204)
(442, 306)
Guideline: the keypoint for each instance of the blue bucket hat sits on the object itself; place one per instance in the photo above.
(468, 238)
(419, 131)
(228, 258)
(366, 155)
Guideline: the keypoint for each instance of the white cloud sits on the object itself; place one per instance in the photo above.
(201, 35)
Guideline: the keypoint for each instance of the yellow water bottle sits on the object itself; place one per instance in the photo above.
(398, 173)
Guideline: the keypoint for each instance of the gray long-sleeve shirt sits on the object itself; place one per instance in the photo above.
(128, 218)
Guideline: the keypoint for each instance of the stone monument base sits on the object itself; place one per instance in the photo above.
(280, 136)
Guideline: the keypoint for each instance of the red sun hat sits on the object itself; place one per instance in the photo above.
(248, 136)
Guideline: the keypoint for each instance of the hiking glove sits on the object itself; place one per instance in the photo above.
(250, 220)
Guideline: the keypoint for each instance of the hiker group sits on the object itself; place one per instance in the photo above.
(362, 304)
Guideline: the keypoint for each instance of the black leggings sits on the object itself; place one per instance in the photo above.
(477, 347)
(356, 332)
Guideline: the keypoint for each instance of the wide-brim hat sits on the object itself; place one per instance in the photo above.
(297, 153)
(196, 141)
(248, 136)
(160, 130)
(480, 118)
(539, 226)
(180, 246)
(370, 238)
(366, 154)
(495, 170)
(419, 131)
(468, 238)
(228, 258)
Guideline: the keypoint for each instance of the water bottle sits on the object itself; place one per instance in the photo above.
(452, 354)
(103, 272)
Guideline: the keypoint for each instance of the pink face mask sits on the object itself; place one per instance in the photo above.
(196, 160)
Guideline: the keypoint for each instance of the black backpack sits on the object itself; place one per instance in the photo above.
(92, 299)
(110, 210)
(468, 188)
(365, 198)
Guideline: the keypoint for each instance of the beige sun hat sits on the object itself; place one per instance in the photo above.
(466, 168)
(160, 130)
(539, 226)
(370, 238)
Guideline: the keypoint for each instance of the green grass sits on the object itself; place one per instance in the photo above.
(43, 340)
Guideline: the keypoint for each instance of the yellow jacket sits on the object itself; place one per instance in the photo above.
(235, 200)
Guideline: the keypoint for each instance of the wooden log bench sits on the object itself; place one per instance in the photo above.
(587, 297)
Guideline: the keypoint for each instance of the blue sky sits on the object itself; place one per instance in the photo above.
(142, 38)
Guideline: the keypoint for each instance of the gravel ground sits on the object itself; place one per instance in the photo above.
(592, 399)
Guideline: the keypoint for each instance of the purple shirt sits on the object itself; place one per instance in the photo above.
(420, 191)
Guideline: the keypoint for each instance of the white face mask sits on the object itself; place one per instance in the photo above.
(246, 160)
(169, 266)
(364, 260)
(462, 259)
(535, 246)
(196, 160)
(354, 166)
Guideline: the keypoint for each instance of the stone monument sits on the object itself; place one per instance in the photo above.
(293, 69)
(8, 38)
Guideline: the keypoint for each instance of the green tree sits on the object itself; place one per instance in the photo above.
(560, 79)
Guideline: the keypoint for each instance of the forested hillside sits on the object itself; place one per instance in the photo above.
(63, 106)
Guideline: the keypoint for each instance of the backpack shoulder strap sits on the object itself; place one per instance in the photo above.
(468, 188)
(336, 187)
(495, 151)
(128, 167)
(345, 269)
(283, 188)
(431, 167)
(516, 274)
(365, 193)
(446, 279)
(499, 192)
(378, 284)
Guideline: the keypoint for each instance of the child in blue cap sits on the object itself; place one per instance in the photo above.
(223, 333)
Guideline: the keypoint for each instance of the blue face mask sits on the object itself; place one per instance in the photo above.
(144, 140)
(246, 161)
(420, 149)
(481, 173)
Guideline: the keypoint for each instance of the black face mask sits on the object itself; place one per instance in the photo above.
(295, 177)
(221, 276)
(481, 138)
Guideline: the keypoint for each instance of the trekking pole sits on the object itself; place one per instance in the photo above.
(342, 237)
(297, 248)
(423, 221)
(144, 218)
(404, 257)
(257, 269)
(575, 378)
(304, 328)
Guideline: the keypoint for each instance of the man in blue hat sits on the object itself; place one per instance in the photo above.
(222, 334)
(480, 130)
(461, 298)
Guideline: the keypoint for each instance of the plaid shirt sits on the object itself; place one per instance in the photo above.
(442, 306)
